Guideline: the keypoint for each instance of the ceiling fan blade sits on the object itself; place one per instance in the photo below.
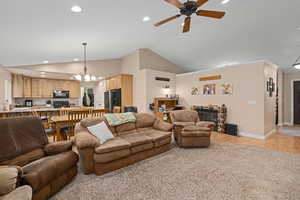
(187, 24)
(167, 20)
(201, 2)
(175, 3)
(213, 14)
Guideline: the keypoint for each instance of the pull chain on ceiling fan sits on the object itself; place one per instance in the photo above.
(188, 9)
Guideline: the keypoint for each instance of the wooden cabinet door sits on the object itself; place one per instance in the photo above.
(75, 89)
(36, 88)
(46, 88)
(17, 86)
(27, 87)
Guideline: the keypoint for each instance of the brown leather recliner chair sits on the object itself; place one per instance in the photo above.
(189, 131)
(47, 167)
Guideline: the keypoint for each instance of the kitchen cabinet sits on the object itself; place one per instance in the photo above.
(27, 92)
(114, 82)
(36, 88)
(125, 83)
(17, 85)
(29, 87)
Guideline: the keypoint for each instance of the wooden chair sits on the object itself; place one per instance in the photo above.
(74, 117)
(64, 111)
(117, 109)
(35, 113)
(98, 112)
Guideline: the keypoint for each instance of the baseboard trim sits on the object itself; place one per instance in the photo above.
(250, 135)
(270, 133)
(258, 137)
(288, 124)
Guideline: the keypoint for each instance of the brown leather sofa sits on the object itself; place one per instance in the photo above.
(189, 131)
(133, 142)
(47, 167)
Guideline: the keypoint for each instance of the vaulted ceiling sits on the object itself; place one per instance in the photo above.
(33, 31)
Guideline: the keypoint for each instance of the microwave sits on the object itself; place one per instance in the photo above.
(61, 94)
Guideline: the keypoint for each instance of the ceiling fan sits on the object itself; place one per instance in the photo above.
(188, 9)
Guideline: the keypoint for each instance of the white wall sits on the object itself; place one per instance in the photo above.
(245, 105)
(155, 88)
(5, 88)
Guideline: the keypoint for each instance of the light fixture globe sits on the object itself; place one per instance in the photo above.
(296, 66)
(297, 63)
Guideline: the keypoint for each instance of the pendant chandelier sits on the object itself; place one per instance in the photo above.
(85, 76)
(297, 63)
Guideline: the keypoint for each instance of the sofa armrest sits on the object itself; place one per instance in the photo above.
(84, 139)
(58, 147)
(163, 126)
(206, 124)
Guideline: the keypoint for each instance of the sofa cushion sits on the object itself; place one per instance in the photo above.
(111, 156)
(25, 158)
(195, 128)
(163, 126)
(87, 122)
(137, 139)
(144, 120)
(205, 124)
(184, 116)
(58, 147)
(157, 135)
(142, 147)
(8, 179)
(130, 126)
(162, 142)
(20, 136)
(115, 144)
(195, 133)
(41, 172)
(184, 124)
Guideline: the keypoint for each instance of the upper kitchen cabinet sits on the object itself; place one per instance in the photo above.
(17, 85)
(114, 82)
(36, 88)
(27, 87)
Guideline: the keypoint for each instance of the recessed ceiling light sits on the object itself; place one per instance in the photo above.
(76, 9)
(146, 19)
(43, 73)
(225, 1)
(76, 59)
(45, 61)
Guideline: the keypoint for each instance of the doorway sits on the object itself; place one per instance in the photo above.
(296, 102)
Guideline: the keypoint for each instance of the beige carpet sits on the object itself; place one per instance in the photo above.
(224, 171)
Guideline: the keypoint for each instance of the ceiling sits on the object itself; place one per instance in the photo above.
(252, 30)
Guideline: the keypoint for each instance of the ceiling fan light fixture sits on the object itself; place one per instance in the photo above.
(225, 1)
(296, 66)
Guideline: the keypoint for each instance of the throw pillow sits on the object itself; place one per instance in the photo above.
(101, 132)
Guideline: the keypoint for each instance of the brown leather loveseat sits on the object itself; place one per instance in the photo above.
(47, 167)
(133, 142)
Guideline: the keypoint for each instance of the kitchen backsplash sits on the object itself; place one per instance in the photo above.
(41, 102)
